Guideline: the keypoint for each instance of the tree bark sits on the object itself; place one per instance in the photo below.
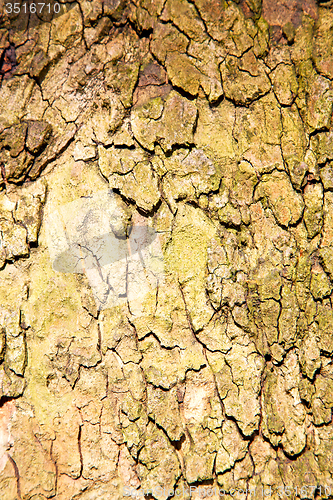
(166, 250)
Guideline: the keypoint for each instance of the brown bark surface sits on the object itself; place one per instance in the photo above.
(166, 251)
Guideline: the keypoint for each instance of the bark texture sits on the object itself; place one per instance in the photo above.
(211, 121)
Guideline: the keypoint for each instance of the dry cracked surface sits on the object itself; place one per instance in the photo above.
(211, 122)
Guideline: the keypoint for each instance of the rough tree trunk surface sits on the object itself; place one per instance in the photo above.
(209, 122)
